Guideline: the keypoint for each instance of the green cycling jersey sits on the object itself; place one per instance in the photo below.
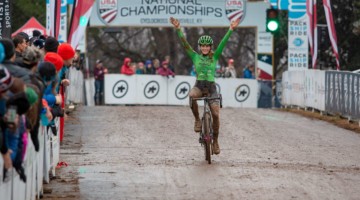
(204, 65)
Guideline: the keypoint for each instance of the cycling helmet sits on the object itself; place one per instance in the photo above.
(6, 80)
(205, 40)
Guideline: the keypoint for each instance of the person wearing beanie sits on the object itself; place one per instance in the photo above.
(67, 53)
(31, 57)
(51, 44)
(55, 59)
(47, 71)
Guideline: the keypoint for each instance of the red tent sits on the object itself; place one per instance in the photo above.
(29, 26)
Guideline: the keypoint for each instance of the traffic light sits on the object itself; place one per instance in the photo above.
(272, 21)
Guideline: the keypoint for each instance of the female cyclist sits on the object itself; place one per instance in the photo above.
(205, 64)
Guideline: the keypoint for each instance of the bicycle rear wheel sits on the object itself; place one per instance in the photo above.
(207, 137)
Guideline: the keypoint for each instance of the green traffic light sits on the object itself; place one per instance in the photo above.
(272, 26)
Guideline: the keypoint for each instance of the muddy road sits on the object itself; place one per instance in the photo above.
(151, 152)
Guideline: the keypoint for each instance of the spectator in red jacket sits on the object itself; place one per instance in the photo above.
(164, 70)
(126, 68)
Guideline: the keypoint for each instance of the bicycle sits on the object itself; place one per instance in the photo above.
(206, 133)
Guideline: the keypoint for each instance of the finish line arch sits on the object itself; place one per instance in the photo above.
(191, 13)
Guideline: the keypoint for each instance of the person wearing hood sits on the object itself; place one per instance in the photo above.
(149, 67)
(126, 68)
(164, 70)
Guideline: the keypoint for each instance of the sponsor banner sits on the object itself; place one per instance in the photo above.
(152, 89)
(179, 89)
(5, 19)
(297, 33)
(342, 93)
(298, 45)
(156, 13)
(315, 89)
(120, 89)
(63, 22)
(265, 42)
(238, 92)
(159, 90)
(293, 88)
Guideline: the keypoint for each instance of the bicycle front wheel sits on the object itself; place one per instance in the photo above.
(207, 137)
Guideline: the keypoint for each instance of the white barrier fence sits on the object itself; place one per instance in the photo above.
(304, 89)
(335, 92)
(73, 93)
(37, 167)
(159, 90)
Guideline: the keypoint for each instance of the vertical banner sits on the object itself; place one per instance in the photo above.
(79, 20)
(5, 19)
(63, 22)
(53, 17)
(311, 11)
(332, 31)
(297, 32)
(298, 45)
(265, 55)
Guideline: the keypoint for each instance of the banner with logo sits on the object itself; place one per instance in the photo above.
(120, 89)
(5, 19)
(156, 13)
(297, 32)
(159, 90)
(179, 89)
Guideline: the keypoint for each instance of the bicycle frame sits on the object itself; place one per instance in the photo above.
(206, 134)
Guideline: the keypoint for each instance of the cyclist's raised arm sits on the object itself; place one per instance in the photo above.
(225, 39)
(189, 50)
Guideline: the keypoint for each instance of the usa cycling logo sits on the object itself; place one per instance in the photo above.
(107, 10)
(235, 9)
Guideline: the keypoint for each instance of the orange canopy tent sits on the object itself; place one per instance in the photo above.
(29, 26)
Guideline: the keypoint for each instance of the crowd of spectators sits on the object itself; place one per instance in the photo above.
(32, 80)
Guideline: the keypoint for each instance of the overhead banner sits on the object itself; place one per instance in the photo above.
(5, 19)
(156, 13)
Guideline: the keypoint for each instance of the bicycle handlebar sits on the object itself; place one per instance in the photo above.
(207, 98)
